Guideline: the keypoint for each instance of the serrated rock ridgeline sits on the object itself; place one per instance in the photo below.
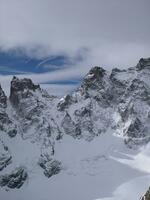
(123, 92)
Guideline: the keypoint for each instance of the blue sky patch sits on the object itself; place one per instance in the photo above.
(12, 63)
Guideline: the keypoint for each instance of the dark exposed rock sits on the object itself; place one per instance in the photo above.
(20, 88)
(6, 124)
(27, 106)
(5, 156)
(12, 132)
(117, 86)
(94, 79)
(4, 119)
(70, 127)
(143, 63)
(134, 143)
(146, 196)
(14, 180)
(65, 102)
(22, 84)
(125, 110)
(96, 73)
(139, 90)
(113, 74)
(135, 129)
(51, 167)
(3, 98)
(96, 84)
(83, 112)
(4, 161)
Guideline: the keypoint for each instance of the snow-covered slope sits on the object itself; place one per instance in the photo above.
(80, 146)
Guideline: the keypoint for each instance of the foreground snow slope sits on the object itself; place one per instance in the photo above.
(91, 144)
(89, 170)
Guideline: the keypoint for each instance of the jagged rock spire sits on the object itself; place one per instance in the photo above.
(21, 84)
(146, 196)
(143, 63)
(95, 73)
(18, 86)
(3, 98)
(93, 80)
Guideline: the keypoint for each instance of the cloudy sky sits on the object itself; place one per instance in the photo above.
(56, 42)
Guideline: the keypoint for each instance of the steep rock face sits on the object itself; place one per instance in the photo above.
(120, 99)
(17, 86)
(146, 196)
(6, 124)
(95, 85)
(94, 79)
(143, 63)
(5, 156)
(134, 104)
(50, 166)
(32, 105)
(65, 102)
(70, 127)
(3, 98)
(3, 104)
(85, 109)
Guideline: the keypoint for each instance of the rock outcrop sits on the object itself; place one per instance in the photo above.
(14, 180)
(50, 166)
(20, 89)
(6, 124)
(5, 156)
(146, 196)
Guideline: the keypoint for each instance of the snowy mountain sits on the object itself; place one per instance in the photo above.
(89, 139)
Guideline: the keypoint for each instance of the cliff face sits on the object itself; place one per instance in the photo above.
(147, 195)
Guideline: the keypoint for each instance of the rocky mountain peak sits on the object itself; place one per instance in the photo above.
(146, 196)
(94, 80)
(21, 84)
(96, 73)
(21, 87)
(143, 63)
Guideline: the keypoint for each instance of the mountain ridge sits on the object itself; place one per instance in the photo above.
(118, 101)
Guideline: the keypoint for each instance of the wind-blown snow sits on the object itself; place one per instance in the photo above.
(136, 187)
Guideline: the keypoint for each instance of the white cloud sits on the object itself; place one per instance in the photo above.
(56, 26)
(81, 68)
(106, 33)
